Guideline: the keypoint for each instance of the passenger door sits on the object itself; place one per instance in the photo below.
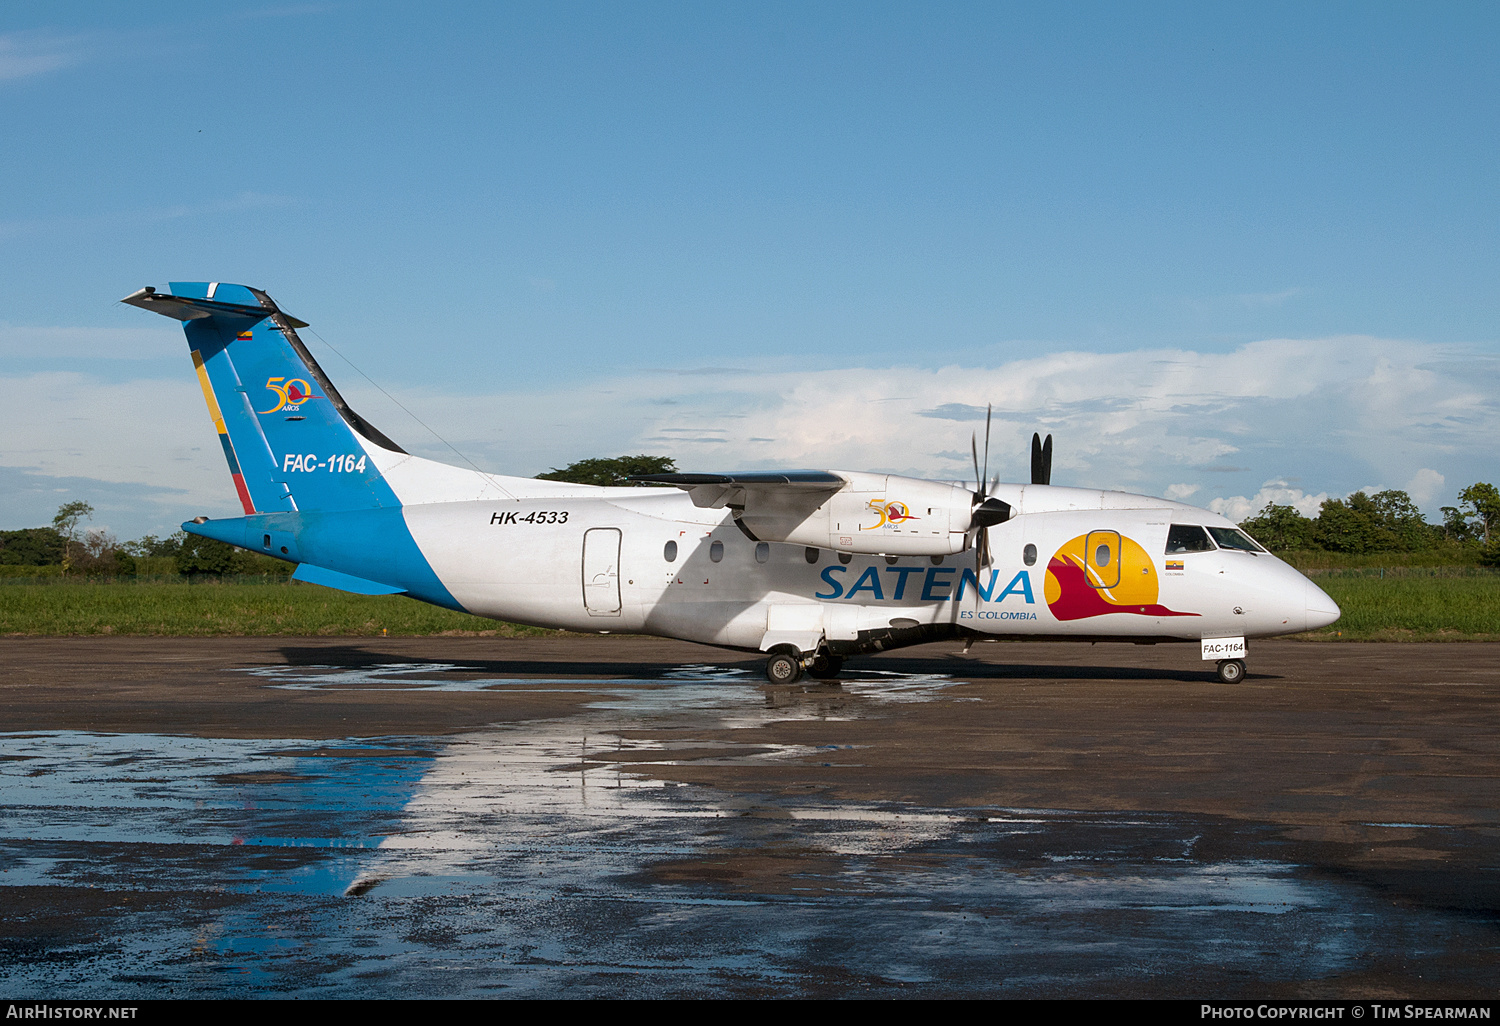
(601, 571)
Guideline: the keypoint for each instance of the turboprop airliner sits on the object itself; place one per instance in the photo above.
(806, 566)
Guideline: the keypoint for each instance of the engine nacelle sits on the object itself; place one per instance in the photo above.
(879, 514)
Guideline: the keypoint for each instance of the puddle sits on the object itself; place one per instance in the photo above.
(699, 687)
(541, 859)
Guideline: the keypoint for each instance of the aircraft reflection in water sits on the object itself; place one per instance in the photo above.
(806, 566)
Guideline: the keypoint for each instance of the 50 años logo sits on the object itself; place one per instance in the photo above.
(291, 393)
(892, 512)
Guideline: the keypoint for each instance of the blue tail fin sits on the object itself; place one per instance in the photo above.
(291, 441)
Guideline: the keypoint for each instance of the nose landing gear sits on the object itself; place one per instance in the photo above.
(1231, 671)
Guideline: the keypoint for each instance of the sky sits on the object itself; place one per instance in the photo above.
(1224, 253)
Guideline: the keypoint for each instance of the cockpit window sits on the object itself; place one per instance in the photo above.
(1187, 538)
(1229, 538)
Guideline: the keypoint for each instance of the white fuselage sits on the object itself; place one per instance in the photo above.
(598, 560)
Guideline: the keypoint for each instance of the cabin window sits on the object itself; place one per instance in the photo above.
(1101, 556)
(716, 551)
(891, 559)
(1229, 538)
(1028, 555)
(762, 552)
(846, 558)
(1187, 538)
(936, 560)
(811, 554)
(669, 552)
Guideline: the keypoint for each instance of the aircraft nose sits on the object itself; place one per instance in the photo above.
(1321, 610)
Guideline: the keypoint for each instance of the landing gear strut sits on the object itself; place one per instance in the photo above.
(1231, 671)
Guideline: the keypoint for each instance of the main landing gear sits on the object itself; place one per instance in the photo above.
(826, 665)
(786, 665)
(1231, 671)
(784, 668)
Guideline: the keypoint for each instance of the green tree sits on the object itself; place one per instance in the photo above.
(69, 516)
(34, 546)
(1346, 525)
(1387, 521)
(1481, 502)
(151, 545)
(1456, 525)
(1398, 517)
(199, 555)
(610, 472)
(1281, 528)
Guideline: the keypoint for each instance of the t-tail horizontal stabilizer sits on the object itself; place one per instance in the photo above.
(343, 582)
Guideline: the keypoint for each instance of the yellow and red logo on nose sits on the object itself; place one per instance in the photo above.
(892, 512)
(1103, 572)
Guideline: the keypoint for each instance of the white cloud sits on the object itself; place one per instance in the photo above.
(241, 201)
(1135, 419)
(1426, 486)
(1239, 508)
(91, 343)
(24, 54)
(1269, 298)
(1334, 412)
(152, 433)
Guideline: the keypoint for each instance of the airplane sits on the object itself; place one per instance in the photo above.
(809, 567)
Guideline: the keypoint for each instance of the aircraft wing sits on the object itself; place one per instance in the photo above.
(716, 491)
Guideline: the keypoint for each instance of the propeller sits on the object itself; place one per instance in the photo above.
(1041, 459)
(986, 511)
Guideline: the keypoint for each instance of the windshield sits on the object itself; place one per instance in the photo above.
(1230, 538)
(1187, 538)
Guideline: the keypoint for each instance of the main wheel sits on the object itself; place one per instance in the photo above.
(826, 666)
(783, 668)
(1231, 671)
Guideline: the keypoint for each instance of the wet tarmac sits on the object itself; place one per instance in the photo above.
(633, 818)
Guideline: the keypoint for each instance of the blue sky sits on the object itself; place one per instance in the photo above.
(1228, 253)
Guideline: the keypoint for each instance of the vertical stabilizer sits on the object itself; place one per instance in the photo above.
(291, 441)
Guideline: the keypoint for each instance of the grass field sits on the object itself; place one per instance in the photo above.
(1455, 604)
(207, 607)
(1413, 606)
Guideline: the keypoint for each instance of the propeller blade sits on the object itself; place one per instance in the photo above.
(1038, 472)
(981, 551)
(974, 447)
(1047, 461)
(988, 410)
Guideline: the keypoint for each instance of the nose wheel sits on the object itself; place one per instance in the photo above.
(1231, 671)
